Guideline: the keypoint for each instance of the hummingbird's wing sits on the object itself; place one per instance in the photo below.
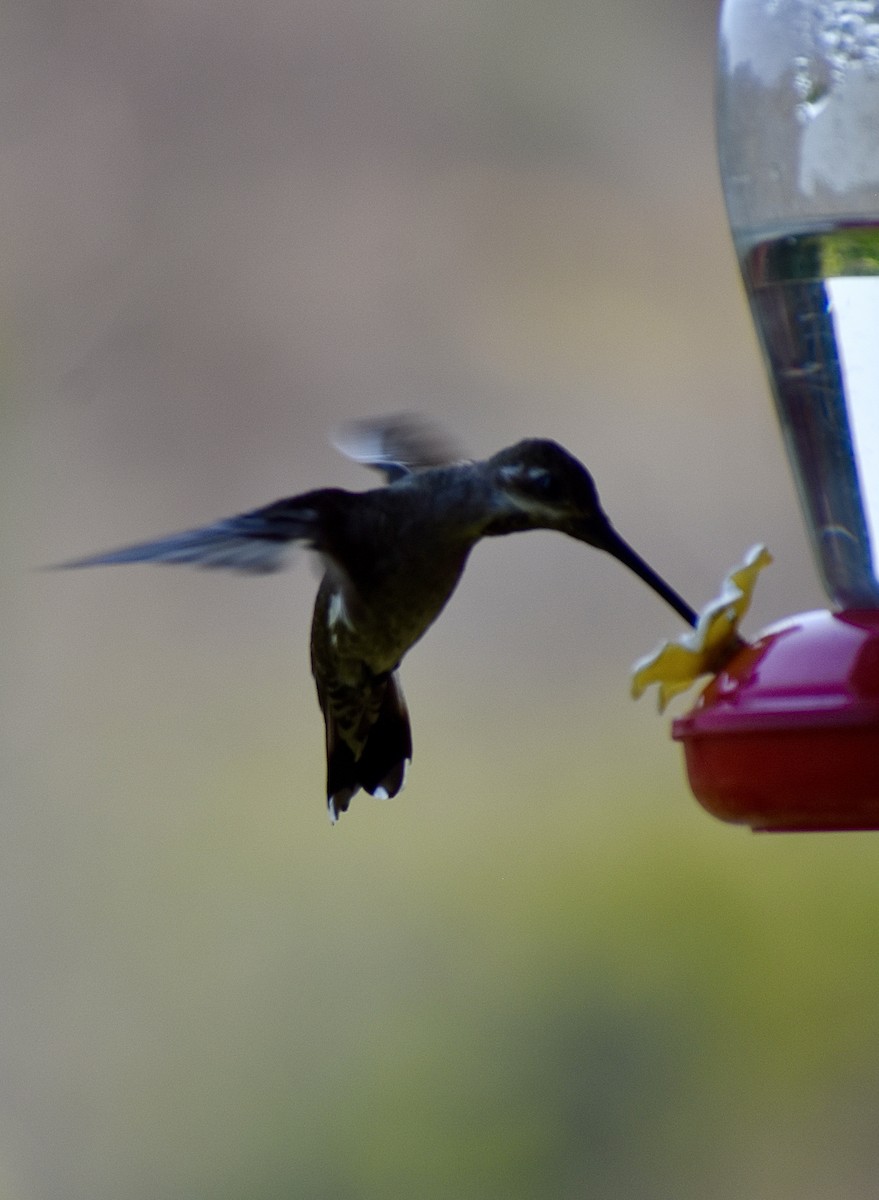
(255, 543)
(397, 445)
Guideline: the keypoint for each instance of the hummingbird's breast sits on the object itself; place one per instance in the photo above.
(375, 621)
(395, 563)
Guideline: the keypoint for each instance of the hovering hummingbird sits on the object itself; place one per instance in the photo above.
(392, 556)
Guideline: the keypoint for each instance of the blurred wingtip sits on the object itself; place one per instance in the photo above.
(397, 445)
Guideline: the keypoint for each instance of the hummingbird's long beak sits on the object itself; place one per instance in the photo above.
(621, 550)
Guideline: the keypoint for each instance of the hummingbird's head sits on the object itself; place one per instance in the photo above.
(542, 486)
(545, 487)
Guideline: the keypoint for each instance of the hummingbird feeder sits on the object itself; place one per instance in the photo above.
(786, 735)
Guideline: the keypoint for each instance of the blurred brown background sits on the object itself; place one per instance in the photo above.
(543, 971)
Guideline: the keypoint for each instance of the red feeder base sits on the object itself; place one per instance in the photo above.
(786, 736)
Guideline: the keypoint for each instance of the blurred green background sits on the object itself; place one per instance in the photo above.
(543, 971)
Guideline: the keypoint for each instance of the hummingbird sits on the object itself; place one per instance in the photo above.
(391, 559)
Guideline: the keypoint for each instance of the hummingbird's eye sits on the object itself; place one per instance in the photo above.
(534, 484)
(541, 482)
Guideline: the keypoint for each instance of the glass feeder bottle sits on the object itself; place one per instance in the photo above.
(798, 141)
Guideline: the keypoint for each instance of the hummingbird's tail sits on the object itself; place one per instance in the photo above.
(380, 767)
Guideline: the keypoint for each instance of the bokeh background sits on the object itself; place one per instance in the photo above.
(543, 971)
